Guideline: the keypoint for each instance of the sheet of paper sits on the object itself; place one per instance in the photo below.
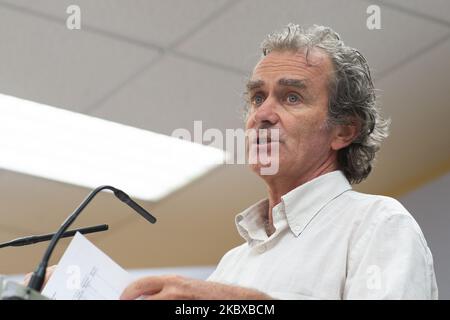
(86, 273)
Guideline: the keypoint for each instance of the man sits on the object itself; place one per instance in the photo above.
(314, 237)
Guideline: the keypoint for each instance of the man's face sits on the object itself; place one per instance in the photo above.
(289, 94)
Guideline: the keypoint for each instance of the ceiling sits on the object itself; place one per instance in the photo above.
(162, 64)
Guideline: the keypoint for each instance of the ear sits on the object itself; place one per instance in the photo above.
(344, 134)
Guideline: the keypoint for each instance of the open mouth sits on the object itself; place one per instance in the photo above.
(262, 140)
(268, 140)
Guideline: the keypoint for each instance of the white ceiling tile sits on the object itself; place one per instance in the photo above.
(45, 62)
(439, 9)
(234, 38)
(154, 21)
(174, 93)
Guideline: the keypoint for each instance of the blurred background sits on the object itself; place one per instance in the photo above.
(160, 65)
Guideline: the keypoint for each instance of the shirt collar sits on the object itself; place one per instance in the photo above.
(251, 222)
(299, 206)
(304, 202)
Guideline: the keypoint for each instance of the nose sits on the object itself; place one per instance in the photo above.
(265, 115)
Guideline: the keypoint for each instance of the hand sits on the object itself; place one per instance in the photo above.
(48, 274)
(173, 287)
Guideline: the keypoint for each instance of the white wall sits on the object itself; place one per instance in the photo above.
(430, 205)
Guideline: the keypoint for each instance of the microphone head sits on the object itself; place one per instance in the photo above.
(122, 196)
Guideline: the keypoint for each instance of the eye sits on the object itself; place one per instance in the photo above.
(293, 98)
(257, 99)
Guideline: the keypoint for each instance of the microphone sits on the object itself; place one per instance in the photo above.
(46, 237)
(37, 279)
(122, 196)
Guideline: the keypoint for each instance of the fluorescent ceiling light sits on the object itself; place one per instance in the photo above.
(82, 150)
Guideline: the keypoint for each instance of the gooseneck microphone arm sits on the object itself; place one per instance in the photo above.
(19, 242)
(38, 276)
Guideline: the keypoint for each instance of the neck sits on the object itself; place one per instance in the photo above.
(279, 186)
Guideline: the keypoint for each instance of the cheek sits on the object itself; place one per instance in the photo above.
(311, 134)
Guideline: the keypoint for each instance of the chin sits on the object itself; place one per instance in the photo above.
(266, 170)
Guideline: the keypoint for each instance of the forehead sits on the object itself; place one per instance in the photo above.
(289, 64)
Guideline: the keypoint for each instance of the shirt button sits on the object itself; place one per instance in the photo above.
(297, 230)
(262, 248)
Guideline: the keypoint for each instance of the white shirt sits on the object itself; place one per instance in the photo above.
(331, 243)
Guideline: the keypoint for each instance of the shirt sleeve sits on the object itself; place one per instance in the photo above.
(391, 260)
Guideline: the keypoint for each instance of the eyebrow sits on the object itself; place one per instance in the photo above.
(301, 84)
(256, 84)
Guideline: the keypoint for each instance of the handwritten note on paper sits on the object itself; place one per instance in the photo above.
(86, 273)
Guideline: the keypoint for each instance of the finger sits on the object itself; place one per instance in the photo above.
(143, 286)
(157, 296)
(169, 294)
(26, 279)
(50, 271)
(48, 274)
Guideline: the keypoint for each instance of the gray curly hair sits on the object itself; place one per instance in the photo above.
(352, 93)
